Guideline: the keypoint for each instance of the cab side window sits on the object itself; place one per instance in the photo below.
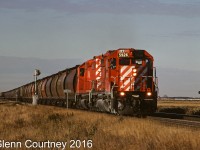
(113, 63)
(82, 71)
(102, 62)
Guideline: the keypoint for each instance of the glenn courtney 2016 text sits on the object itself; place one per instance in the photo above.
(32, 144)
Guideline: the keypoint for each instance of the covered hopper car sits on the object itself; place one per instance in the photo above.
(120, 81)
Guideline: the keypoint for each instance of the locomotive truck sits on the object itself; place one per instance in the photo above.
(120, 81)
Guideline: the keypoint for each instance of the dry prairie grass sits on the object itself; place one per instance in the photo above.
(178, 103)
(42, 123)
(177, 106)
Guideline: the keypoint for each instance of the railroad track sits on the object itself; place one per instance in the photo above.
(177, 119)
(177, 116)
(177, 122)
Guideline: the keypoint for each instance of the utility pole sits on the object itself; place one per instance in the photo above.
(35, 96)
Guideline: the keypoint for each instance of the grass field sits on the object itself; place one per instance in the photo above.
(109, 132)
(177, 106)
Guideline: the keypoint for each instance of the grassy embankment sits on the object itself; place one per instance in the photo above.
(177, 106)
(42, 123)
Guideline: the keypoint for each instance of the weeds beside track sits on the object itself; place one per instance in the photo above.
(21, 121)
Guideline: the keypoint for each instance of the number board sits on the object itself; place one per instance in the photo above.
(122, 53)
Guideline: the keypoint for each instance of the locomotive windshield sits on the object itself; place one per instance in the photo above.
(138, 61)
(124, 61)
(128, 61)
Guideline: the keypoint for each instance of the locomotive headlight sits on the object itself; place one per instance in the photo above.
(122, 93)
(149, 93)
(134, 74)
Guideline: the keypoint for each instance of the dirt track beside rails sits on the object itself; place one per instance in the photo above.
(40, 123)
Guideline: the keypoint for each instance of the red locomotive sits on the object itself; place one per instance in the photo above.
(120, 81)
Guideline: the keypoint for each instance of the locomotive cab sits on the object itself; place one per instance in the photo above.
(135, 81)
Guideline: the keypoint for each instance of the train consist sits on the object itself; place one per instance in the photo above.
(120, 81)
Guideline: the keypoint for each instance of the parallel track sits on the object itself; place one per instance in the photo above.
(177, 122)
(177, 119)
(177, 116)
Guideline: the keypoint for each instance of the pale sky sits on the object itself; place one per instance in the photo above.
(80, 29)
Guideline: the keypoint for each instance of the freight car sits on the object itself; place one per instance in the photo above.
(120, 81)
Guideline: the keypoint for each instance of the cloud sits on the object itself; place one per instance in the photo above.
(184, 8)
(16, 65)
(190, 33)
(17, 71)
(179, 34)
